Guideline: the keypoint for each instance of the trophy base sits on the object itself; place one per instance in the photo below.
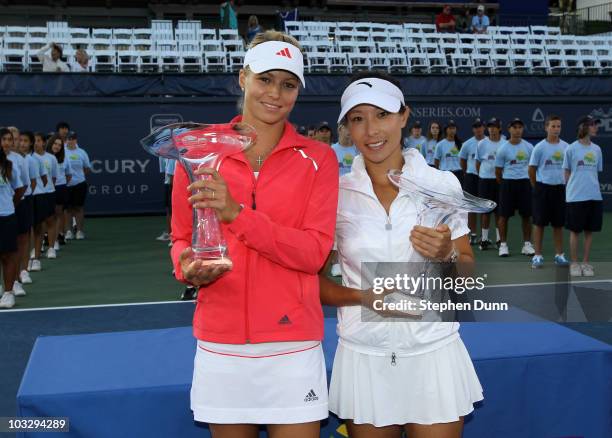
(210, 262)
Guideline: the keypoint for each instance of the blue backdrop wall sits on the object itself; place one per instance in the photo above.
(111, 113)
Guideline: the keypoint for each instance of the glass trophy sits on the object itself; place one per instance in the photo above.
(195, 146)
(435, 206)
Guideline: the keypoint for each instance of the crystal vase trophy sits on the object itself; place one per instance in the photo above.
(435, 207)
(195, 146)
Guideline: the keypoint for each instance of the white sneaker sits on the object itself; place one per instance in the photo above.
(18, 289)
(51, 254)
(80, 235)
(35, 265)
(169, 244)
(335, 270)
(575, 270)
(163, 236)
(25, 278)
(56, 246)
(503, 250)
(69, 235)
(7, 301)
(587, 270)
(528, 249)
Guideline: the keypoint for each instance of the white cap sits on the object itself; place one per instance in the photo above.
(275, 55)
(480, 7)
(372, 91)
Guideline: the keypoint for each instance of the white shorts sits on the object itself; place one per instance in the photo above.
(429, 388)
(281, 389)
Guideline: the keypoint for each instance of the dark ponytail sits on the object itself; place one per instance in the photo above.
(6, 167)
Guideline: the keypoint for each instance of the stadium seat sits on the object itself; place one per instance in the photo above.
(437, 63)
(482, 63)
(215, 61)
(461, 63)
(317, 62)
(338, 62)
(14, 60)
(556, 63)
(520, 63)
(398, 63)
(500, 63)
(128, 61)
(235, 61)
(104, 61)
(418, 62)
(379, 61)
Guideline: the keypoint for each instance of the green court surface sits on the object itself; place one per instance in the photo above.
(121, 262)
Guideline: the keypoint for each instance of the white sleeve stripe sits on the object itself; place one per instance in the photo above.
(314, 163)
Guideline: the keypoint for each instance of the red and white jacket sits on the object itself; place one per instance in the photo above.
(278, 243)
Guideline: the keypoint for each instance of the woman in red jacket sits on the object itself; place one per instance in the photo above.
(259, 325)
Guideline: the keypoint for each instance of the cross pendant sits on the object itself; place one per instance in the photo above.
(259, 160)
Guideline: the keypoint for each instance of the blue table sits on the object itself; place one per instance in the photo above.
(540, 380)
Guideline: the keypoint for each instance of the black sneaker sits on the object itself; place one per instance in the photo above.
(190, 293)
(484, 245)
(61, 239)
(46, 241)
(473, 239)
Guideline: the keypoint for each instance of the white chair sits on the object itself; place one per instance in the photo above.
(409, 47)
(41, 32)
(322, 45)
(15, 42)
(573, 64)
(428, 28)
(552, 40)
(299, 35)
(461, 63)
(482, 39)
(229, 34)
(291, 26)
(169, 56)
(33, 63)
(347, 46)
(141, 34)
(128, 61)
(500, 49)
(343, 35)
(429, 48)
(411, 28)
(520, 63)
(572, 50)
(604, 56)
(536, 49)
(16, 31)
(387, 47)
(317, 62)
(235, 61)
(500, 39)
(398, 62)
(378, 36)
(418, 62)
(505, 30)
(308, 46)
(13, 60)
(416, 39)
(105, 34)
(520, 49)
(207, 34)
(319, 35)
(554, 49)
(448, 48)
(536, 39)
(215, 62)
(35, 44)
(345, 26)
(211, 45)
(500, 63)
(191, 61)
(359, 61)
(379, 61)
(465, 48)
(338, 62)
(590, 63)
(365, 46)
(233, 45)
(556, 63)
(482, 63)
(104, 61)
(142, 45)
(483, 48)
(467, 38)
(567, 40)
(539, 64)
(101, 44)
(361, 26)
(148, 60)
(81, 43)
(437, 63)
(395, 33)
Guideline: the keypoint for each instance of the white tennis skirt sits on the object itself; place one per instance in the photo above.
(435, 387)
(281, 389)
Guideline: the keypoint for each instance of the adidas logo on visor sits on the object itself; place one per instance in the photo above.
(285, 53)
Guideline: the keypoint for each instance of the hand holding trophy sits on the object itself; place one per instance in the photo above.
(199, 148)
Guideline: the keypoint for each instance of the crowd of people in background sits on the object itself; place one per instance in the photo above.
(464, 22)
(42, 193)
(551, 183)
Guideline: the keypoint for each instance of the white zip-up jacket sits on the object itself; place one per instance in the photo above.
(365, 233)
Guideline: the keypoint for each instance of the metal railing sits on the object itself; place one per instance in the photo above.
(585, 21)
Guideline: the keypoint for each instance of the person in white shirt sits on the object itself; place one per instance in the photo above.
(77, 187)
(480, 22)
(53, 63)
(55, 146)
(81, 63)
(401, 376)
(26, 143)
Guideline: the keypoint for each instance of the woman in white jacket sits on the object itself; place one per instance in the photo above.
(390, 377)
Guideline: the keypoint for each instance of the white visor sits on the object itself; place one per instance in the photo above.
(371, 91)
(275, 55)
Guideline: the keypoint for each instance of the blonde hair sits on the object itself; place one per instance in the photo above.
(253, 21)
(274, 35)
